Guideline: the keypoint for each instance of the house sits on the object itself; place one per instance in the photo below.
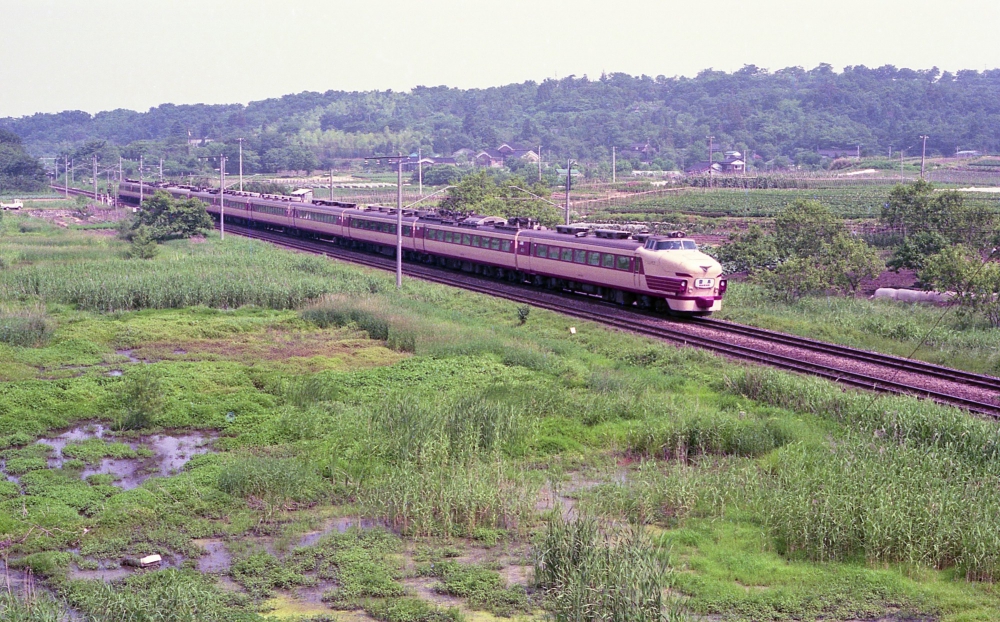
(703, 168)
(496, 157)
(464, 152)
(733, 166)
(412, 163)
(645, 151)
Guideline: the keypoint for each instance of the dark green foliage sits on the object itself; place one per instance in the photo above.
(40, 608)
(783, 115)
(266, 188)
(25, 328)
(748, 251)
(272, 482)
(169, 595)
(142, 398)
(410, 610)
(483, 587)
(18, 169)
(684, 438)
(142, 245)
(166, 218)
(359, 561)
(810, 252)
(522, 314)
(916, 249)
(482, 193)
(261, 573)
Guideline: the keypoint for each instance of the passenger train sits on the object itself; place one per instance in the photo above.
(666, 273)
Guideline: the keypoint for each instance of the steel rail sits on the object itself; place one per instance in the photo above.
(639, 326)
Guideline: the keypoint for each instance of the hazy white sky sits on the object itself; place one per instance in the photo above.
(102, 54)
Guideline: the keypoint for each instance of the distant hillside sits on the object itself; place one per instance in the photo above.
(791, 112)
(19, 171)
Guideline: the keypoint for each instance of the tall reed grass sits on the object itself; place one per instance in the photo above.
(368, 314)
(272, 482)
(687, 436)
(589, 573)
(25, 328)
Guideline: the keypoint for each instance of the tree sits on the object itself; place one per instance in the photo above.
(482, 194)
(167, 218)
(748, 251)
(802, 228)
(975, 283)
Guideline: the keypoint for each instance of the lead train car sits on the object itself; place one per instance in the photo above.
(658, 272)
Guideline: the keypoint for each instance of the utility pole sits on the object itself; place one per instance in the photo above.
(120, 178)
(222, 197)
(72, 170)
(140, 181)
(614, 165)
(161, 170)
(569, 169)
(95, 176)
(331, 184)
(900, 166)
(241, 169)
(420, 172)
(66, 180)
(399, 222)
(710, 145)
(923, 155)
(539, 163)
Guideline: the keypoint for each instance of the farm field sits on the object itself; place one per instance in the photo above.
(847, 202)
(300, 441)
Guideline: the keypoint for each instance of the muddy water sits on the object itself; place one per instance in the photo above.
(340, 525)
(170, 452)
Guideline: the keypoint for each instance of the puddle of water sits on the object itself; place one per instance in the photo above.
(114, 373)
(16, 580)
(170, 453)
(340, 525)
(128, 354)
(217, 560)
(101, 574)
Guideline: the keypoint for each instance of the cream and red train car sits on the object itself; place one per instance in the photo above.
(659, 272)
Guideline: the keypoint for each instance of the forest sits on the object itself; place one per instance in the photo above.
(779, 116)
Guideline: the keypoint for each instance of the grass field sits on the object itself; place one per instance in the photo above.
(299, 440)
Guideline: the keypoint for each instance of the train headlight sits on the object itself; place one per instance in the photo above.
(722, 286)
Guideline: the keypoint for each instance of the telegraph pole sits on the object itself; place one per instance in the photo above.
(710, 145)
(66, 175)
(241, 168)
(569, 169)
(614, 169)
(95, 176)
(222, 197)
(399, 212)
(331, 184)
(420, 172)
(399, 221)
(923, 155)
(161, 170)
(539, 163)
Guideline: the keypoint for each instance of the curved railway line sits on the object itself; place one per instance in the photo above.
(976, 393)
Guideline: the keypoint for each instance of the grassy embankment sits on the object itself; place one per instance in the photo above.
(434, 415)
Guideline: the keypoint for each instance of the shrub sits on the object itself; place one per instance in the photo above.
(142, 398)
(685, 437)
(25, 328)
(272, 482)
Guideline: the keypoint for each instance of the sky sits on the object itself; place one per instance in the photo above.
(95, 55)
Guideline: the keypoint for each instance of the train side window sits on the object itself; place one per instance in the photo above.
(505, 246)
(567, 254)
(579, 256)
(541, 250)
(495, 244)
(476, 240)
(593, 258)
(466, 239)
(608, 260)
(621, 262)
(407, 231)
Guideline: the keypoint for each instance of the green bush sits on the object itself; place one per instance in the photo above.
(26, 328)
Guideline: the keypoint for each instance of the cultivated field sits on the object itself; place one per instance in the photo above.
(299, 440)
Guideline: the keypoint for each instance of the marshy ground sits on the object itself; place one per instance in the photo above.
(298, 440)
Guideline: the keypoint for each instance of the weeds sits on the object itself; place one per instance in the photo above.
(368, 315)
(25, 328)
(142, 398)
(483, 588)
(590, 574)
(273, 483)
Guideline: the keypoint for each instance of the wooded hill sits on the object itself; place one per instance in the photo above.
(791, 112)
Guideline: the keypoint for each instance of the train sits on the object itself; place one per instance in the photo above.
(663, 273)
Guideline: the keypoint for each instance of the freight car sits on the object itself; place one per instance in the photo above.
(665, 273)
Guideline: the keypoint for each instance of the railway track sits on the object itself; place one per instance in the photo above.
(657, 328)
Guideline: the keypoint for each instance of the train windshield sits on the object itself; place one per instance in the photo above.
(676, 245)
